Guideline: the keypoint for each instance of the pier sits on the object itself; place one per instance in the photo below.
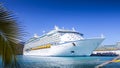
(108, 62)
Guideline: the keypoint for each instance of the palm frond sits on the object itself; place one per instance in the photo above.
(10, 33)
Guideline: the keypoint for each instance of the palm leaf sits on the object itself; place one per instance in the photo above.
(10, 33)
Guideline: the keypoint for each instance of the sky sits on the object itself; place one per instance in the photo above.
(90, 17)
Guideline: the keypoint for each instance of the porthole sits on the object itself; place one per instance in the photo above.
(72, 52)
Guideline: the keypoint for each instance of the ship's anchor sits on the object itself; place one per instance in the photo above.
(73, 44)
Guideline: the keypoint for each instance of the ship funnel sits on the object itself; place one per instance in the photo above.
(73, 29)
(102, 36)
(36, 36)
(56, 27)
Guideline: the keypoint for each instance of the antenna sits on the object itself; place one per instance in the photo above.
(102, 36)
(62, 27)
(36, 36)
(73, 29)
(56, 27)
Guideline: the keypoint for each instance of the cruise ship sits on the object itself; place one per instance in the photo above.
(61, 42)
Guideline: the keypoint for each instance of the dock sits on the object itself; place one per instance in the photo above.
(108, 62)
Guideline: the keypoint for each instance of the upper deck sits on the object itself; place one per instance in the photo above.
(58, 36)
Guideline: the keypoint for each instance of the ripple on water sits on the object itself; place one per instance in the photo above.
(64, 62)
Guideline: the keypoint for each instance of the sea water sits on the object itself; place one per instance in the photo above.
(64, 62)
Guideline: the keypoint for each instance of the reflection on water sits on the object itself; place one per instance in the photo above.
(64, 62)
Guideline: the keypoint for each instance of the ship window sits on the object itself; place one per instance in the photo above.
(27, 50)
(72, 51)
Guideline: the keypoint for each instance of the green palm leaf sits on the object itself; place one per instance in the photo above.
(10, 33)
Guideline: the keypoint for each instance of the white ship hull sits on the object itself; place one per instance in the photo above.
(80, 48)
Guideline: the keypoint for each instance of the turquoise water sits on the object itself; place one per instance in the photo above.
(64, 62)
